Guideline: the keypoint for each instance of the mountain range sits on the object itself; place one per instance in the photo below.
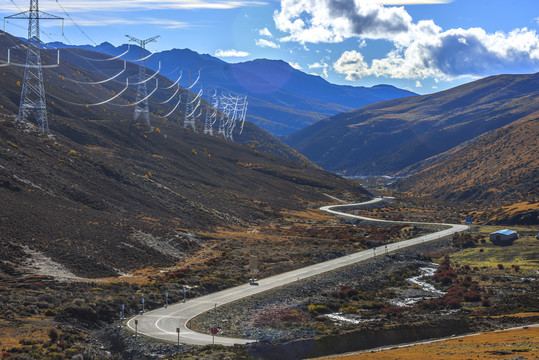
(282, 99)
(391, 136)
(102, 196)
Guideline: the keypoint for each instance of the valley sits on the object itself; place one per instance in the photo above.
(119, 236)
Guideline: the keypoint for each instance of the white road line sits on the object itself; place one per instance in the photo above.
(168, 319)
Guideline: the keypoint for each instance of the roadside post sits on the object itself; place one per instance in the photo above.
(143, 301)
(214, 330)
(184, 293)
(166, 300)
(122, 313)
(178, 331)
(136, 328)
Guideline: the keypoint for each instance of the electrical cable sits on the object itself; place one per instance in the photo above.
(141, 100)
(148, 79)
(177, 81)
(165, 102)
(96, 104)
(74, 23)
(192, 85)
(174, 109)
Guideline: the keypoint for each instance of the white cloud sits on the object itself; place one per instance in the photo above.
(352, 63)
(267, 43)
(163, 23)
(122, 5)
(316, 65)
(265, 32)
(418, 84)
(421, 49)
(295, 65)
(231, 53)
(317, 21)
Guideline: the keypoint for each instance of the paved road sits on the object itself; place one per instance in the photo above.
(162, 323)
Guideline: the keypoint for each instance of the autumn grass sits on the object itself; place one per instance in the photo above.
(524, 252)
(508, 344)
(29, 329)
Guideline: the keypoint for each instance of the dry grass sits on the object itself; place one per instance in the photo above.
(509, 344)
(32, 328)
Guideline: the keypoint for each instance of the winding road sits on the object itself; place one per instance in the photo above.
(163, 323)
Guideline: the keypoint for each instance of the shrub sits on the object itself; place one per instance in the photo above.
(472, 296)
(349, 310)
(52, 333)
(317, 309)
(500, 266)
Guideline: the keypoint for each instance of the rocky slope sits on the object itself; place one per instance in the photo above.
(100, 196)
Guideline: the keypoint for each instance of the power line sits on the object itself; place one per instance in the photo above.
(74, 23)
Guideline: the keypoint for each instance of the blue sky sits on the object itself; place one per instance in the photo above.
(422, 45)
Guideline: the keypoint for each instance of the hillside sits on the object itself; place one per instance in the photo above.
(102, 197)
(495, 168)
(282, 99)
(387, 137)
(79, 66)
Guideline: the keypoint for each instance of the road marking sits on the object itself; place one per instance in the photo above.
(197, 306)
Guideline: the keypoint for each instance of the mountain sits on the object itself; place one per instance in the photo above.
(389, 136)
(282, 99)
(499, 167)
(80, 67)
(101, 196)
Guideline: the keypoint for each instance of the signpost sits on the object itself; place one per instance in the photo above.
(468, 221)
(143, 301)
(253, 267)
(166, 300)
(214, 330)
(184, 292)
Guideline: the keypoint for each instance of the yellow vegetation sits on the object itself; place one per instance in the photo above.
(508, 344)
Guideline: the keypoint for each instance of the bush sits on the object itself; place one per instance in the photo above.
(472, 296)
(500, 266)
(53, 335)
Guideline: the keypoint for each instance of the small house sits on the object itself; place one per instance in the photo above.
(503, 237)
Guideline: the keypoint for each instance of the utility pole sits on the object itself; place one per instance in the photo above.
(189, 119)
(142, 112)
(33, 92)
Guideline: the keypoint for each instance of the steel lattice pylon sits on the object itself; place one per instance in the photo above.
(142, 111)
(33, 92)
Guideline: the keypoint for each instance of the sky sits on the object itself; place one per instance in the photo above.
(421, 45)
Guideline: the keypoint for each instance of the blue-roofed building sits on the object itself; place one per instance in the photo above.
(503, 237)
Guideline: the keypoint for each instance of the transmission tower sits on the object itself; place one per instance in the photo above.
(33, 92)
(189, 119)
(142, 112)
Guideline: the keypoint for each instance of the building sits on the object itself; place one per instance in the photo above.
(503, 237)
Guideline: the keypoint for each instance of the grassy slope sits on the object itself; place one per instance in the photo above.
(389, 136)
(509, 344)
(498, 166)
